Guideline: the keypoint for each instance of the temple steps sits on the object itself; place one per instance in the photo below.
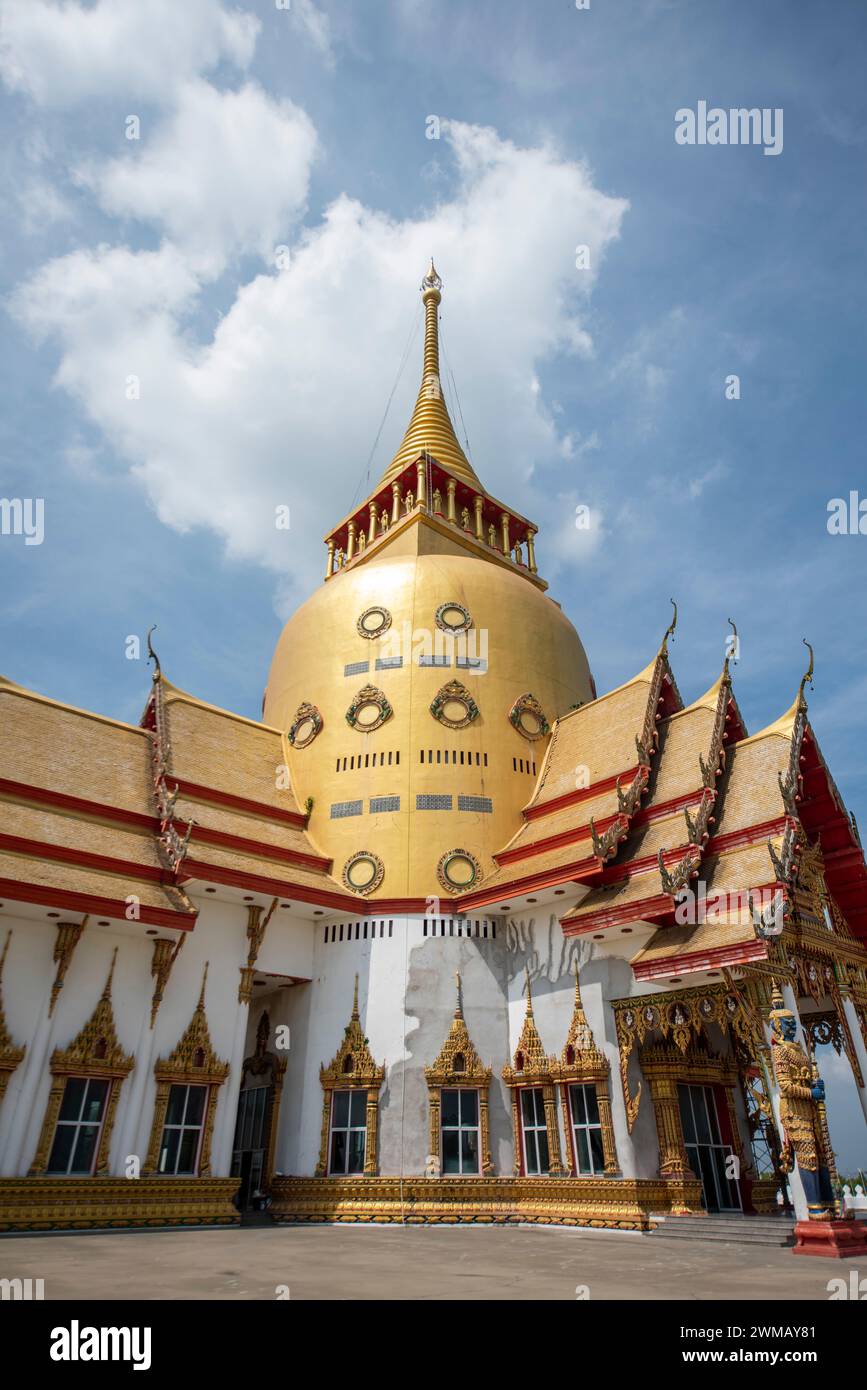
(727, 1226)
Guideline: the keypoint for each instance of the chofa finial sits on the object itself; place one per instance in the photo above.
(807, 678)
(669, 631)
(152, 656)
(733, 645)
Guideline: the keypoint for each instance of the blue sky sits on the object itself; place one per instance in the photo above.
(263, 384)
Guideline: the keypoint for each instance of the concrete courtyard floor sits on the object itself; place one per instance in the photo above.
(363, 1262)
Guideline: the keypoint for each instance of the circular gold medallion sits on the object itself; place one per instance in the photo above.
(373, 622)
(367, 715)
(453, 617)
(458, 870)
(363, 872)
(305, 726)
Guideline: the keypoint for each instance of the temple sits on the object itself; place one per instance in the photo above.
(447, 936)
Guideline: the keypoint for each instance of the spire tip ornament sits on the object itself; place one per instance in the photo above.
(431, 280)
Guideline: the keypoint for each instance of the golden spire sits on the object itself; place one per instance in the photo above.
(355, 1013)
(430, 429)
(529, 995)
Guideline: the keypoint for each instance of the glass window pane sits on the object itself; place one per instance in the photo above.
(542, 1140)
(527, 1110)
(469, 1150)
(195, 1105)
(686, 1120)
(469, 1107)
(451, 1153)
(596, 1150)
(712, 1115)
(61, 1149)
(591, 1100)
(73, 1095)
(449, 1107)
(576, 1095)
(175, 1107)
(187, 1151)
(699, 1108)
(539, 1101)
(358, 1108)
(356, 1151)
(531, 1157)
(85, 1148)
(94, 1100)
(169, 1150)
(582, 1151)
(340, 1110)
(338, 1151)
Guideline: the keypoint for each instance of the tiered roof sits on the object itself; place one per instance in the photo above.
(590, 788)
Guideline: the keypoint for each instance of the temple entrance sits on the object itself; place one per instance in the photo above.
(251, 1142)
(706, 1151)
(256, 1123)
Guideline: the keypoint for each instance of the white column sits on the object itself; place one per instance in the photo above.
(860, 1051)
(224, 1128)
(128, 1133)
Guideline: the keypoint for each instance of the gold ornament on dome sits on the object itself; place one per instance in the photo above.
(454, 706)
(363, 872)
(369, 710)
(528, 717)
(305, 726)
(458, 870)
(373, 622)
(453, 617)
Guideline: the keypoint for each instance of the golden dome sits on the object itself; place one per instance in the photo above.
(417, 687)
(473, 777)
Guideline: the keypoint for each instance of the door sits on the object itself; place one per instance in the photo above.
(251, 1141)
(705, 1149)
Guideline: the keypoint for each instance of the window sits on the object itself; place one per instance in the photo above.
(460, 1131)
(78, 1125)
(182, 1132)
(586, 1129)
(536, 1162)
(348, 1131)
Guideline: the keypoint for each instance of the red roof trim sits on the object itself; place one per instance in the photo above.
(712, 959)
(69, 901)
(196, 792)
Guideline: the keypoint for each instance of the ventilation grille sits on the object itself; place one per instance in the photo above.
(384, 803)
(346, 808)
(475, 803)
(433, 801)
(388, 663)
(356, 668)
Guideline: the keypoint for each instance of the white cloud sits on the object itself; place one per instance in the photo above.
(226, 172)
(315, 25)
(62, 54)
(290, 389)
